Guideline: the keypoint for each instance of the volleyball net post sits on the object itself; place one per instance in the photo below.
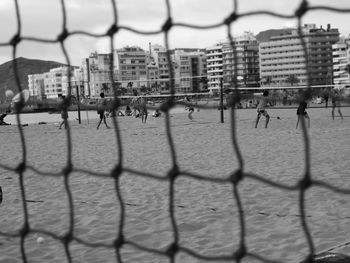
(221, 101)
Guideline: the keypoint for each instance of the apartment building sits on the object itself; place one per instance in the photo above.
(199, 72)
(214, 67)
(341, 62)
(152, 71)
(182, 71)
(245, 68)
(189, 67)
(160, 57)
(152, 77)
(283, 61)
(56, 82)
(77, 83)
(36, 86)
(130, 67)
(96, 75)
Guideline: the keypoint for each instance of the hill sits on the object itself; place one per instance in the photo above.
(264, 36)
(25, 67)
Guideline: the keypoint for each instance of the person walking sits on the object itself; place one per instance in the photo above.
(190, 112)
(336, 103)
(325, 97)
(101, 107)
(262, 109)
(284, 97)
(190, 108)
(301, 113)
(143, 109)
(64, 114)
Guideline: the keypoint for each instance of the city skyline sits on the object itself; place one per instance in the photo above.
(43, 19)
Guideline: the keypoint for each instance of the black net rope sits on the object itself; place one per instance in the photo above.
(174, 173)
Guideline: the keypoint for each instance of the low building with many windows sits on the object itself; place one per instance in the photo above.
(52, 84)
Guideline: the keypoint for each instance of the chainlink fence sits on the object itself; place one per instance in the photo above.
(234, 179)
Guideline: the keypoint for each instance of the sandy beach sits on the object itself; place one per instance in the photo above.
(206, 212)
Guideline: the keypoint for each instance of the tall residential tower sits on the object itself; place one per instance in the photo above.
(283, 61)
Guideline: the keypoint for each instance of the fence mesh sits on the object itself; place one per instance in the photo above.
(175, 172)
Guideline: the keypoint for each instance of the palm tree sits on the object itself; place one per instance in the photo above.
(266, 80)
(347, 69)
(292, 79)
(129, 86)
(204, 83)
(105, 88)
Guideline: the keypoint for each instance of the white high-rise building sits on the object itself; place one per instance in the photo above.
(161, 61)
(214, 67)
(56, 82)
(243, 64)
(36, 86)
(341, 62)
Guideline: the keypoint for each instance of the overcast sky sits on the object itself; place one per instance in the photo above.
(43, 19)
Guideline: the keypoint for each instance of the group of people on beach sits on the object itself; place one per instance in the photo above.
(301, 110)
(101, 111)
(138, 104)
(140, 110)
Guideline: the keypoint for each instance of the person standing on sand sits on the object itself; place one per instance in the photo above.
(301, 113)
(143, 110)
(325, 97)
(284, 97)
(128, 111)
(64, 114)
(101, 107)
(336, 103)
(190, 109)
(2, 117)
(262, 109)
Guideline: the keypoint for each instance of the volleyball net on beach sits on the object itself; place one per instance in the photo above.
(238, 175)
